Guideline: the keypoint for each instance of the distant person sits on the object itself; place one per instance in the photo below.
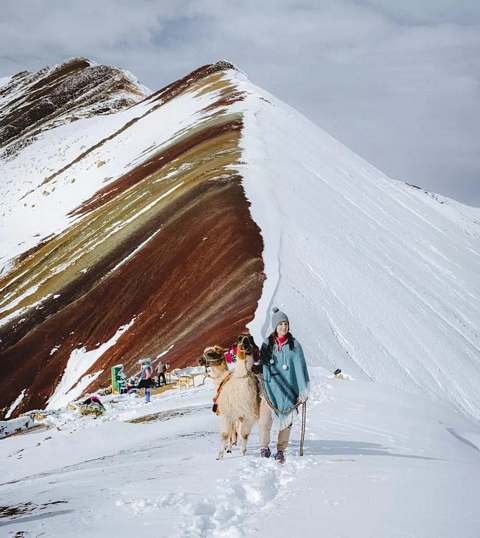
(146, 378)
(95, 401)
(285, 383)
(161, 370)
(132, 384)
(122, 382)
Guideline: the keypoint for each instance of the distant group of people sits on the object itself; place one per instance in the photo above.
(147, 378)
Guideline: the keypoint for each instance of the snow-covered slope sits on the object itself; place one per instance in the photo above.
(137, 219)
(379, 278)
(376, 464)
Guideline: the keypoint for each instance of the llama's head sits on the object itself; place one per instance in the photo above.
(212, 356)
(245, 345)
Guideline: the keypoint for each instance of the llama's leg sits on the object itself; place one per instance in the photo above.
(225, 428)
(232, 438)
(245, 429)
(236, 432)
(223, 444)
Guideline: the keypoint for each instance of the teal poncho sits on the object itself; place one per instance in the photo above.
(285, 378)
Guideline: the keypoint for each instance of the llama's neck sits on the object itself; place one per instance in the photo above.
(218, 373)
(242, 367)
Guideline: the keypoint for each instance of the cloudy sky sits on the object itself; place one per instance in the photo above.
(397, 82)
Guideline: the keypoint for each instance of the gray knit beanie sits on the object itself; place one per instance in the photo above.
(277, 317)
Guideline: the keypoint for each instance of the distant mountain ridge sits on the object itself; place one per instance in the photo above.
(32, 102)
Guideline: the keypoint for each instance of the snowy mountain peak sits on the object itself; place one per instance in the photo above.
(174, 221)
(34, 102)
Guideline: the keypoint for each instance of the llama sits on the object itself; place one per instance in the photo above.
(237, 398)
(218, 371)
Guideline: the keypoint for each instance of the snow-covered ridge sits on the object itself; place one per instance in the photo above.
(379, 278)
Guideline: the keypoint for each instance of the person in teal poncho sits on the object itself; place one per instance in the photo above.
(284, 381)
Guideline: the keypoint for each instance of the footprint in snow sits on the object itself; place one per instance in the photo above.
(257, 486)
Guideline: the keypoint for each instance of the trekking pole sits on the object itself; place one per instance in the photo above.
(304, 420)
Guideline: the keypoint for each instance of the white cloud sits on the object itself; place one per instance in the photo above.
(398, 83)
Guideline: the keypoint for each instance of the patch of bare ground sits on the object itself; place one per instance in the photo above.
(162, 416)
(25, 511)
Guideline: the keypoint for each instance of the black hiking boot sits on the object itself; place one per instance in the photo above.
(265, 452)
(280, 456)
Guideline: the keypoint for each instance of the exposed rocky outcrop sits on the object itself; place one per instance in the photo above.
(31, 102)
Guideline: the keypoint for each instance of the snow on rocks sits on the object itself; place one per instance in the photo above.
(72, 383)
(15, 404)
(15, 425)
